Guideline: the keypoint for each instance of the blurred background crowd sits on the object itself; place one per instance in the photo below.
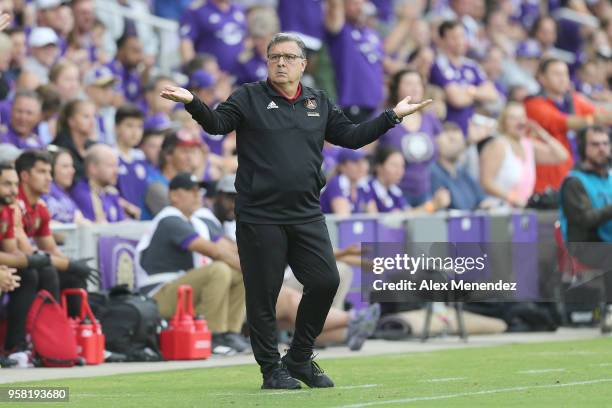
(514, 82)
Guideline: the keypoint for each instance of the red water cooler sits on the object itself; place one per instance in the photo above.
(87, 330)
(187, 338)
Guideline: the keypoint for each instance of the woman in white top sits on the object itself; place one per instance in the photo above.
(507, 163)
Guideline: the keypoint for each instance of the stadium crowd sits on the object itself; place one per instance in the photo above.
(518, 87)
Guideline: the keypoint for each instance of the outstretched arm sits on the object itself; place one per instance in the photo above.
(224, 119)
(342, 132)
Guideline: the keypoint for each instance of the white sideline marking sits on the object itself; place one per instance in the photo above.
(288, 392)
(602, 365)
(471, 394)
(444, 379)
(565, 353)
(542, 371)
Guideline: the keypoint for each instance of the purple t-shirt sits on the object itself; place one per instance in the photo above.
(419, 150)
(525, 12)
(330, 158)
(357, 54)
(340, 186)
(31, 142)
(307, 20)
(214, 142)
(82, 195)
(253, 69)
(61, 207)
(128, 81)
(443, 73)
(132, 180)
(387, 199)
(215, 32)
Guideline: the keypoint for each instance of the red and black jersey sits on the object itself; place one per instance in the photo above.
(7, 225)
(36, 218)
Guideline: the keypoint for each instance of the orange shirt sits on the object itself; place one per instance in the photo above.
(548, 115)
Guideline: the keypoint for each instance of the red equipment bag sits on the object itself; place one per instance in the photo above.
(87, 330)
(50, 332)
(186, 338)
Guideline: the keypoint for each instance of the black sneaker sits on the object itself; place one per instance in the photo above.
(308, 372)
(279, 379)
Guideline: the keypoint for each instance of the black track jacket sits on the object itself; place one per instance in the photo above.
(279, 146)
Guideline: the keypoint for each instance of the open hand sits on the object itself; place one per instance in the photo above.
(176, 94)
(405, 108)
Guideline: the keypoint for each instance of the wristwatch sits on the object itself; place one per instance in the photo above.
(393, 116)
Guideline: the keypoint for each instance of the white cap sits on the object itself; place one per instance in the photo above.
(226, 184)
(47, 4)
(41, 36)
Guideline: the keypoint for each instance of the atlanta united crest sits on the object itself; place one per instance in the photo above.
(310, 104)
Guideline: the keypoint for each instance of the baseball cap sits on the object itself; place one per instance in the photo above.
(226, 184)
(101, 76)
(201, 79)
(41, 36)
(349, 155)
(157, 123)
(184, 181)
(528, 49)
(47, 4)
(180, 139)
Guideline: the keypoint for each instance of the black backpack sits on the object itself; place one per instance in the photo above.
(130, 322)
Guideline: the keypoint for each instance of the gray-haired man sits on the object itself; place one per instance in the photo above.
(281, 126)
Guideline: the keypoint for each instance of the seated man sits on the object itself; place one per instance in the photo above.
(586, 209)
(42, 264)
(96, 194)
(167, 259)
(465, 192)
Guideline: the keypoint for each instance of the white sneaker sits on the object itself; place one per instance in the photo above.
(22, 358)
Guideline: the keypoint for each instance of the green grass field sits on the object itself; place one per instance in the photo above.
(558, 374)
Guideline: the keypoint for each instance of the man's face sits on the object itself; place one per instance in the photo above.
(101, 95)
(52, 17)
(547, 33)
(224, 206)
(556, 79)
(182, 158)
(129, 131)
(454, 41)
(106, 170)
(9, 186)
(25, 115)
(46, 55)
(290, 67)
(187, 201)
(451, 144)
(597, 149)
(353, 9)
(84, 15)
(132, 52)
(38, 179)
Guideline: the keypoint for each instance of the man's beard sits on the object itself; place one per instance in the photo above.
(8, 200)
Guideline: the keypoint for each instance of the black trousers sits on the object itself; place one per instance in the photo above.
(265, 251)
(33, 280)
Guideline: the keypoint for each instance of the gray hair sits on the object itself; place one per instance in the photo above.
(286, 37)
